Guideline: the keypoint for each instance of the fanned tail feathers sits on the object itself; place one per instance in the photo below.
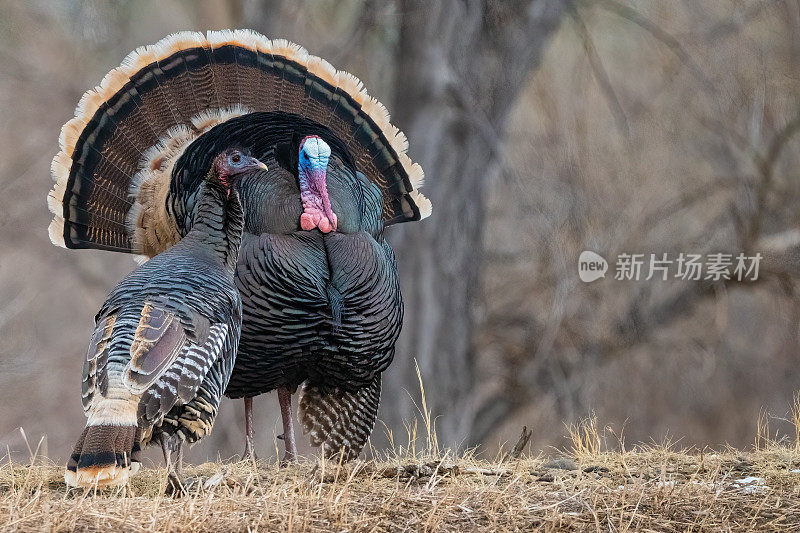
(116, 159)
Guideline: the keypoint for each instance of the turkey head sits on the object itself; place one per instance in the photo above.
(229, 165)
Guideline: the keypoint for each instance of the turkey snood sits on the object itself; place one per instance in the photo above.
(312, 167)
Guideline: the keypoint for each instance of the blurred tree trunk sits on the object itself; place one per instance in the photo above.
(460, 67)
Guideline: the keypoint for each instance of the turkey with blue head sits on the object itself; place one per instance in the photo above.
(321, 302)
(165, 341)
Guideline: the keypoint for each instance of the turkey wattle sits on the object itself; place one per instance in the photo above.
(321, 302)
(165, 341)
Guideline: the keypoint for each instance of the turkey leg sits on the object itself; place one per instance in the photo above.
(175, 482)
(249, 443)
(285, 399)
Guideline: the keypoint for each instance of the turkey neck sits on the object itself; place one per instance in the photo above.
(218, 223)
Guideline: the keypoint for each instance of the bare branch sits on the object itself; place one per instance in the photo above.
(600, 74)
(766, 166)
(655, 30)
(519, 447)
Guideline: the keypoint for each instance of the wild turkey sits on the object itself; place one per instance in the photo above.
(321, 300)
(165, 341)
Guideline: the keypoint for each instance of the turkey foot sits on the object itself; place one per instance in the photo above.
(285, 400)
(178, 486)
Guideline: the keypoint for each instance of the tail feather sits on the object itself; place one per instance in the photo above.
(132, 128)
(104, 455)
(340, 421)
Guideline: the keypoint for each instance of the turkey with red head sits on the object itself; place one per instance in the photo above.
(165, 341)
(321, 302)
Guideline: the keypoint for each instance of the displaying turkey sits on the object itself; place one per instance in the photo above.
(165, 341)
(321, 301)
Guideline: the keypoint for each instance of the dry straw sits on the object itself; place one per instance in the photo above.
(594, 484)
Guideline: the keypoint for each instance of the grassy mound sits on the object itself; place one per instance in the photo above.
(585, 488)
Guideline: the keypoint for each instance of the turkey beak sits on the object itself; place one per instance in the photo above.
(259, 164)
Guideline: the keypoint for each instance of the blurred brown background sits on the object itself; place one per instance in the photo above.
(546, 128)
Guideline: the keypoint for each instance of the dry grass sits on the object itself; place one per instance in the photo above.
(592, 486)
(598, 483)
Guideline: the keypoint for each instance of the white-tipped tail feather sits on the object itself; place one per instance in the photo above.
(166, 119)
(112, 476)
